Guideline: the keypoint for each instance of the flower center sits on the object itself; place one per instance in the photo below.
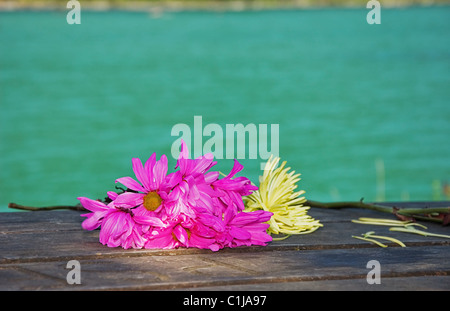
(152, 201)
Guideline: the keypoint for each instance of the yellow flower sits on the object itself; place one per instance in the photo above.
(276, 194)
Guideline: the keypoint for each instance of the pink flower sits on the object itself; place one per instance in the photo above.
(119, 226)
(153, 195)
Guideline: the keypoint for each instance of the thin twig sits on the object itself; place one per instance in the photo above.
(411, 213)
(354, 204)
(77, 207)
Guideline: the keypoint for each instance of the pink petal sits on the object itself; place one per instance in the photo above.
(184, 153)
(148, 220)
(237, 167)
(230, 213)
(160, 171)
(181, 234)
(240, 234)
(148, 168)
(203, 163)
(161, 239)
(171, 181)
(130, 183)
(211, 177)
(92, 205)
(183, 161)
(94, 220)
(140, 173)
(112, 195)
(129, 199)
(214, 247)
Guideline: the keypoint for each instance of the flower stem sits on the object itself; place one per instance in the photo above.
(421, 232)
(369, 240)
(77, 207)
(428, 214)
(344, 204)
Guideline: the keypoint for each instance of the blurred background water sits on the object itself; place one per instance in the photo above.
(363, 110)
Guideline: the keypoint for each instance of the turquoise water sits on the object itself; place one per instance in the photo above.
(79, 101)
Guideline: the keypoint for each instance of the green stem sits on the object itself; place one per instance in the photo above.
(77, 207)
(427, 210)
(416, 213)
(354, 204)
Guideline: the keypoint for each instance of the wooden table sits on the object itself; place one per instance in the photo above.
(35, 248)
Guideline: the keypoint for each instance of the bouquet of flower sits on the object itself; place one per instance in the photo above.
(190, 207)
(193, 207)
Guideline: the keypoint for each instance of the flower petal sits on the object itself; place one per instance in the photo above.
(140, 173)
(237, 167)
(240, 234)
(112, 195)
(148, 220)
(148, 168)
(184, 153)
(171, 181)
(92, 205)
(129, 199)
(181, 234)
(160, 171)
(130, 183)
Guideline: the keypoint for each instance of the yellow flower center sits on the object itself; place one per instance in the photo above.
(152, 201)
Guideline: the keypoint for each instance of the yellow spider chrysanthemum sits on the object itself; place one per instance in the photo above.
(276, 194)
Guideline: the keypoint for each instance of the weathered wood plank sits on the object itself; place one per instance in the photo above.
(415, 283)
(35, 248)
(66, 238)
(224, 269)
(18, 222)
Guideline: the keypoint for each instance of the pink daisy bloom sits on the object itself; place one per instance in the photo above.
(119, 226)
(153, 193)
(167, 196)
